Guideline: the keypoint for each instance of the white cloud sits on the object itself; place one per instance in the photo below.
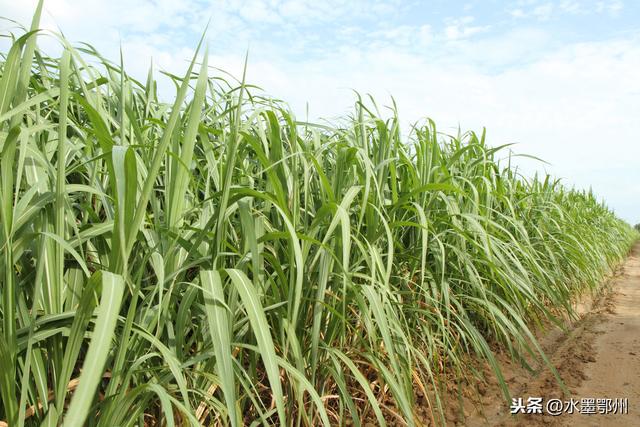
(571, 6)
(461, 28)
(612, 7)
(404, 36)
(547, 10)
(543, 12)
(258, 11)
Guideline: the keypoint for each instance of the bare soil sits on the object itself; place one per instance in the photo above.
(597, 356)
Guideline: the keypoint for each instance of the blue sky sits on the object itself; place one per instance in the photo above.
(558, 78)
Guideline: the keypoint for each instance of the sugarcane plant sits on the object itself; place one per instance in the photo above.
(215, 261)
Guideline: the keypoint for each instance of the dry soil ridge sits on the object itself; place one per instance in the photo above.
(597, 357)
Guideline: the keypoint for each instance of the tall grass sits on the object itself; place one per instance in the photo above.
(215, 261)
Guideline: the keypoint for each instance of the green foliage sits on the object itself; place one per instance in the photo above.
(215, 261)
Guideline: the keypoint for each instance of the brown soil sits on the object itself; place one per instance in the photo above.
(597, 356)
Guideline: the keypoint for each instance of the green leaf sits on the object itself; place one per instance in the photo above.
(261, 330)
(99, 350)
(219, 328)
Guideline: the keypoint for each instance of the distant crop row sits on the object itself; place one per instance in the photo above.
(217, 262)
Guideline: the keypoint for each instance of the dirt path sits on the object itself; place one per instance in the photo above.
(616, 370)
(598, 357)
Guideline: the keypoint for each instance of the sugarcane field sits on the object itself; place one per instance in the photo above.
(300, 213)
